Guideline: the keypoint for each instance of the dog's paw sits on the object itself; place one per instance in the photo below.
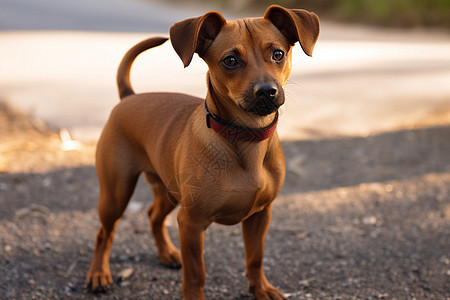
(171, 259)
(266, 293)
(99, 282)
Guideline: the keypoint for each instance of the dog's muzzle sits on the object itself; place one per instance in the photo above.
(264, 98)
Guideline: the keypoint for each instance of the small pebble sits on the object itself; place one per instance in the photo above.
(125, 274)
(370, 220)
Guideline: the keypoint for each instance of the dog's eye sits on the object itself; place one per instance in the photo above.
(277, 55)
(230, 61)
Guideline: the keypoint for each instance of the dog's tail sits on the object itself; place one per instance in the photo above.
(123, 73)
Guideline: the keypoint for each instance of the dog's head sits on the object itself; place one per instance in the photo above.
(249, 60)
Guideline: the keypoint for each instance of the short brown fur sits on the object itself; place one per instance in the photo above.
(212, 179)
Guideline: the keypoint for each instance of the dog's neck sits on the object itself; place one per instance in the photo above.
(235, 133)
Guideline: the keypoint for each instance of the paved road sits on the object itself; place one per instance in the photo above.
(98, 15)
(59, 62)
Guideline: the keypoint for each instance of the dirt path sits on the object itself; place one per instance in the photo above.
(358, 218)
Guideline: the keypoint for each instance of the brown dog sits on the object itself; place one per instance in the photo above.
(220, 159)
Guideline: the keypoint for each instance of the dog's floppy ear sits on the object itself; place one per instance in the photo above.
(195, 35)
(297, 25)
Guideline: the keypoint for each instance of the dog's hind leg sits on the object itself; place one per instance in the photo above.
(162, 205)
(117, 182)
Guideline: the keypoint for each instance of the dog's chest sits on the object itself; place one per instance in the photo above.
(231, 185)
(238, 196)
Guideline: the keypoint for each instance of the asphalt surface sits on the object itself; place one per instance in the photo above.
(85, 15)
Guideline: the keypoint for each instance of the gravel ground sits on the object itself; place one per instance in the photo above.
(358, 218)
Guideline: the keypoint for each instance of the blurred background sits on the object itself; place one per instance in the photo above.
(378, 65)
(402, 13)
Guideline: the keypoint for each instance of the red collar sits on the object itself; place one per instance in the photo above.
(239, 133)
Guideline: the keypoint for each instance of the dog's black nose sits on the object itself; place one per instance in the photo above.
(265, 90)
(264, 98)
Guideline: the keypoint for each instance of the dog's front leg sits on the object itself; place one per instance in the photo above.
(192, 237)
(254, 231)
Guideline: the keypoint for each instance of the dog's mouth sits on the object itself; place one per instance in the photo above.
(262, 108)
